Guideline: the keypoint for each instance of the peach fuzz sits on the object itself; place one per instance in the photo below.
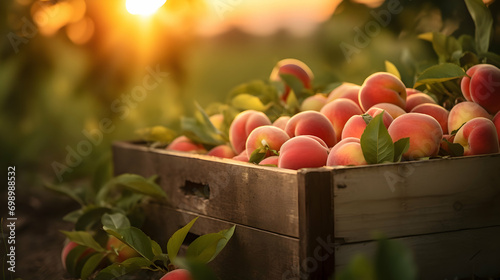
(416, 99)
(243, 156)
(266, 136)
(356, 125)
(463, 112)
(315, 103)
(345, 90)
(382, 87)
(393, 110)
(424, 131)
(178, 274)
(242, 126)
(184, 144)
(222, 151)
(482, 86)
(295, 67)
(435, 111)
(478, 137)
(496, 122)
(302, 152)
(339, 111)
(281, 122)
(346, 152)
(311, 123)
(272, 160)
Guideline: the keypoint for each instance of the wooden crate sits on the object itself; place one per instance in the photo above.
(307, 224)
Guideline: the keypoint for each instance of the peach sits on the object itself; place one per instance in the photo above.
(393, 110)
(184, 144)
(444, 146)
(478, 137)
(222, 151)
(315, 103)
(482, 86)
(496, 122)
(272, 160)
(243, 156)
(123, 251)
(345, 90)
(411, 91)
(70, 246)
(281, 122)
(178, 274)
(463, 112)
(293, 67)
(242, 125)
(312, 123)
(435, 111)
(265, 139)
(382, 87)
(302, 152)
(346, 152)
(416, 99)
(355, 126)
(339, 111)
(424, 131)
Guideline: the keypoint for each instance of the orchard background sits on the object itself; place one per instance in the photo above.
(77, 75)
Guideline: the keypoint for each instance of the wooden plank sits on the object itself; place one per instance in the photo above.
(261, 197)
(250, 254)
(449, 255)
(416, 198)
(316, 224)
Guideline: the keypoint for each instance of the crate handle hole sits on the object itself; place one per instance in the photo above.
(196, 189)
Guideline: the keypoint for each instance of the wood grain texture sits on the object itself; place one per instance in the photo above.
(416, 198)
(250, 254)
(448, 255)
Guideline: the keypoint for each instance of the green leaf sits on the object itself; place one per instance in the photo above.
(200, 129)
(391, 68)
(66, 190)
(292, 103)
(367, 118)
(134, 238)
(483, 22)
(91, 217)
(176, 240)
(73, 259)
(157, 251)
(293, 82)
(394, 261)
(376, 143)
(454, 149)
(115, 221)
(117, 270)
(140, 184)
(263, 90)
(359, 268)
(446, 47)
(440, 73)
(227, 233)
(91, 265)
(246, 101)
(158, 133)
(400, 147)
(73, 216)
(203, 248)
(199, 270)
(257, 156)
(83, 238)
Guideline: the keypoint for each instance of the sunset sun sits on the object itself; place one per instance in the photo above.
(145, 8)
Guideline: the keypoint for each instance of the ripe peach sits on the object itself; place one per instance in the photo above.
(424, 131)
(243, 156)
(478, 136)
(242, 125)
(411, 91)
(435, 111)
(184, 144)
(463, 112)
(356, 125)
(222, 151)
(272, 160)
(416, 99)
(482, 86)
(312, 123)
(302, 152)
(346, 152)
(496, 122)
(281, 122)
(266, 137)
(339, 111)
(393, 110)
(382, 87)
(124, 251)
(177, 274)
(345, 90)
(293, 67)
(70, 246)
(314, 103)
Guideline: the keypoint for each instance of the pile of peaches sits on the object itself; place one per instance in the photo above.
(328, 128)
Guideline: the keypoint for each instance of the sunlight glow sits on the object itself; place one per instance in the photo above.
(145, 8)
